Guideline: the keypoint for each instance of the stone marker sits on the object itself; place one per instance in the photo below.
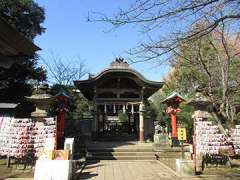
(53, 170)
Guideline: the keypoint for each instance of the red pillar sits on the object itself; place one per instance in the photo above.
(174, 124)
(62, 123)
(173, 115)
(56, 135)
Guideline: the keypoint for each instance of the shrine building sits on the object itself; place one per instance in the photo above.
(13, 46)
(118, 95)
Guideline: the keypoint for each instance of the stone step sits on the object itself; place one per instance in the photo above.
(134, 154)
(121, 158)
(167, 154)
(170, 149)
(121, 153)
(137, 149)
(114, 138)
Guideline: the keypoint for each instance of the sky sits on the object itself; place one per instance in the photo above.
(68, 35)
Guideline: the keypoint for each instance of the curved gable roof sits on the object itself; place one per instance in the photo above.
(122, 69)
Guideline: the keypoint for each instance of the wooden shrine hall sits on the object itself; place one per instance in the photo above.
(118, 94)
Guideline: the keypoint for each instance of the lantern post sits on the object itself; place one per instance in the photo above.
(173, 101)
(62, 102)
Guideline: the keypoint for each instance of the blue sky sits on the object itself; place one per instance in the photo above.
(69, 35)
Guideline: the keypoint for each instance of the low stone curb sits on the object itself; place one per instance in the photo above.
(168, 168)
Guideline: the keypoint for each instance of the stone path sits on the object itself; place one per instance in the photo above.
(127, 170)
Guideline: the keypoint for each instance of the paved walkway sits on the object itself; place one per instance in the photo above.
(126, 170)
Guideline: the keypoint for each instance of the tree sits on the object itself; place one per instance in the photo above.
(61, 76)
(63, 73)
(210, 62)
(177, 16)
(15, 78)
(26, 17)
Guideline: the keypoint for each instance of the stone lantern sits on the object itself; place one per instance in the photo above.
(201, 105)
(173, 101)
(41, 101)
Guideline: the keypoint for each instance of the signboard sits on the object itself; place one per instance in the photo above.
(61, 155)
(69, 145)
(182, 135)
(49, 144)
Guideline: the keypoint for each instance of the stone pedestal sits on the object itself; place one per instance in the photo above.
(199, 115)
(185, 167)
(160, 139)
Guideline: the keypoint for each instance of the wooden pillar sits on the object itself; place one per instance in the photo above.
(56, 135)
(62, 117)
(124, 108)
(95, 121)
(132, 110)
(95, 115)
(114, 109)
(105, 108)
(141, 122)
(141, 116)
(129, 124)
(104, 117)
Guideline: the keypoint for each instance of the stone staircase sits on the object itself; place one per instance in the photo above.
(120, 151)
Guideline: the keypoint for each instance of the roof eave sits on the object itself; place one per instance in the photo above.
(16, 40)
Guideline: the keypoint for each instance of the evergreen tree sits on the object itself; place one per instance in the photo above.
(26, 17)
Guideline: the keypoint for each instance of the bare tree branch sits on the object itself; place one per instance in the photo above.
(65, 72)
(156, 15)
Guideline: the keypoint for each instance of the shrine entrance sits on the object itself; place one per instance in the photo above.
(118, 120)
(117, 95)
